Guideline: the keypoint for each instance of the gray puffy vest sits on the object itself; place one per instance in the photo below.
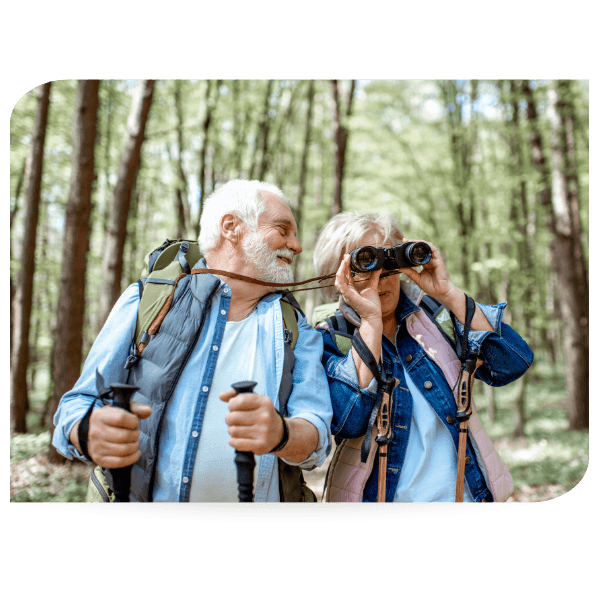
(158, 369)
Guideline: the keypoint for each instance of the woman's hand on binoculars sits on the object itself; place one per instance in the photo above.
(364, 297)
(434, 278)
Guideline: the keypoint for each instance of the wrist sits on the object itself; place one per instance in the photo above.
(373, 324)
(454, 299)
(74, 436)
(285, 436)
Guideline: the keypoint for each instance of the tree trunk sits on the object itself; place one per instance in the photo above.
(461, 155)
(13, 213)
(260, 130)
(544, 200)
(303, 164)
(241, 121)
(68, 340)
(341, 142)
(182, 205)
(570, 269)
(112, 264)
(24, 286)
(210, 106)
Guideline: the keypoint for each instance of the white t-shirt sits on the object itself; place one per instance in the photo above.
(214, 478)
(429, 470)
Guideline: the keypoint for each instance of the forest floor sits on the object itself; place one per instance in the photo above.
(546, 463)
(34, 479)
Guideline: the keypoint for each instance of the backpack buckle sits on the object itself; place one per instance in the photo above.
(287, 336)
(130, 361)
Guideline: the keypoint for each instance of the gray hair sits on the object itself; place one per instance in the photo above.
(343, 233)
(239, 197)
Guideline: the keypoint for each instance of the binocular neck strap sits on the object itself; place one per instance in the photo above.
(367, 356)
(259, 281)
(469, 314)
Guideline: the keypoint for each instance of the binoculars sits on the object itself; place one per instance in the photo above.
(369, 258)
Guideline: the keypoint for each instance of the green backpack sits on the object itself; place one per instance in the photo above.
(165, 266)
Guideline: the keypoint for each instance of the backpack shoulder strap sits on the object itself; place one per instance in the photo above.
(341, 331)
(441, 317)
(290, 321)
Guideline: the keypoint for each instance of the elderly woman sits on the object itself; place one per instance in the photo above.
(422, 451)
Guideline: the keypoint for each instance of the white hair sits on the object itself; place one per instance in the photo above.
(342, 233)
(239, 197)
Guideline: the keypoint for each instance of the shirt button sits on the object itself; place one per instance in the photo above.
(467, 460)
(223, 312)
(449, 419)
(408, 358)
(226, 290)
(205, 388)
(428, 385)
(194, 434)
(185, 480)
(215, 348)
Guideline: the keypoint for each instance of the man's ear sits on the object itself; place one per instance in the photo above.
(230, 228)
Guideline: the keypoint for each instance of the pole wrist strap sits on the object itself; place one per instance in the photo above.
(83, 431)
(285, 437)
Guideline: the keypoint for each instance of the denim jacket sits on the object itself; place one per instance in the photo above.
(506, 356)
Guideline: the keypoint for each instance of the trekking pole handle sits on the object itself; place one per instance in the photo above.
(244, 461)
(122, 476)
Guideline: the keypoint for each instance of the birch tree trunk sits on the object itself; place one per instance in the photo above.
(23, 297)
(112, 264)
(68, 338)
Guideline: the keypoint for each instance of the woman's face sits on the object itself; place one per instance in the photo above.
(389, 287)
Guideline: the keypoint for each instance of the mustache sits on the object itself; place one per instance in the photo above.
(286, 254)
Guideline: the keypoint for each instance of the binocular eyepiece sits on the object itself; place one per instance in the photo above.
(410, 254)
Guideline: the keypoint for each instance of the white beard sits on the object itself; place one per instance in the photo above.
(268, 266)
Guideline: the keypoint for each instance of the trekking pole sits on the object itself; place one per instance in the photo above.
(244, 461)
(122, 476)
(384, 431)
(465, 383)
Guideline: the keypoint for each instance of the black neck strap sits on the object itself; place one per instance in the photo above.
(469, 313)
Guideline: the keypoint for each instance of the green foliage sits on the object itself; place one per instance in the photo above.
(549, 454)
(28, 445)
(34, 479)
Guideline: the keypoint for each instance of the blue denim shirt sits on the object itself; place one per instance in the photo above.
(506, 356)
(178, 443)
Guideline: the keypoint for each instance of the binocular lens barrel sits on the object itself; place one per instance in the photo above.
(410, 254)
(364, 259)
(417, 253)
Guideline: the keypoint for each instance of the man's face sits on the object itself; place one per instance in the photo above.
(272, 247)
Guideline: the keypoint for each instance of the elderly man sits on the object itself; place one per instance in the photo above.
(183, 447)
